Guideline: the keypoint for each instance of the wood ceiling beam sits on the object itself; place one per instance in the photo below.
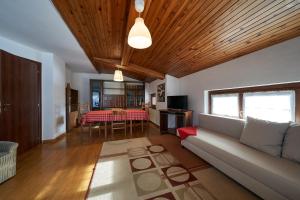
(132, 14)
(131, 67)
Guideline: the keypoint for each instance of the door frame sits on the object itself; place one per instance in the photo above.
(40, 102)
(1, 100)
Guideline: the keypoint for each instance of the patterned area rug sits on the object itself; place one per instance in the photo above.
(136, 169)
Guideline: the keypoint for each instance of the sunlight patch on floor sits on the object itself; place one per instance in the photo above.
(106, 177)
(45, 191)
(112, 175)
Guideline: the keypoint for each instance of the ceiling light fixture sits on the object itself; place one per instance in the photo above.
(118, 76)
(139, 36)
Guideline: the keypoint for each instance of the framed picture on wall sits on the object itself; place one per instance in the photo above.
(161, 93)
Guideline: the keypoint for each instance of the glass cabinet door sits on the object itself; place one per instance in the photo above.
(96, 100)
(95, 94)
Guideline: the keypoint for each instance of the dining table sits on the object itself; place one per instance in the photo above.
(106, 116)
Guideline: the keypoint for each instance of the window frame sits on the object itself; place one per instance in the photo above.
(264, 88)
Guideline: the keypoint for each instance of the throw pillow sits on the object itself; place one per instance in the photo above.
(264, 135)
(291, 144)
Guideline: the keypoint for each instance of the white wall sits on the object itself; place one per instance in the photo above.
(147, 93)
(48, 130)
(172, 86)
(52, 82)
(59, 95)
(81, 82)
(275, 64)
(68, 75)
(154, 113)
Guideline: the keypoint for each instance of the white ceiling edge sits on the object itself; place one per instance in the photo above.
(37, 23)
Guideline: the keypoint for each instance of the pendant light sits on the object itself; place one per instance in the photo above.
(118, 76)
(139, 36)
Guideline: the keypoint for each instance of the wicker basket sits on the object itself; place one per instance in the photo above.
(8, 159)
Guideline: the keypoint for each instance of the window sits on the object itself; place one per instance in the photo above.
(275, 106)
(225, 104)
(279, 103)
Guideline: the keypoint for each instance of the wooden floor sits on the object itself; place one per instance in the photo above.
(60, 170)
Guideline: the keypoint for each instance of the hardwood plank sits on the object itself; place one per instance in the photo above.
(61, 170)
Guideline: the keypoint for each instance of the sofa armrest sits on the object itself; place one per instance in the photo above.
(6, 146)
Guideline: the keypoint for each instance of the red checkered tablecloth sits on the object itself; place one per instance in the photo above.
(107, 116)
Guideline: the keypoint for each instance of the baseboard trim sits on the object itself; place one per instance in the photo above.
(61, 136)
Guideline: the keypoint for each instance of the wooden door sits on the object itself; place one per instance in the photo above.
(20, 96)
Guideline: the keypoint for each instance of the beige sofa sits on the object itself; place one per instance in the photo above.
(218, 143)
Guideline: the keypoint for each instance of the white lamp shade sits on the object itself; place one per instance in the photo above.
(118, 76)
(139, 36)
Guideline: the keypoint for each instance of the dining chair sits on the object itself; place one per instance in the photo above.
(145, 107)
(82, 110)
(119, 121)
(147, 110)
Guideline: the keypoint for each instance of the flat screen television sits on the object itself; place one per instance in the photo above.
(178, 102)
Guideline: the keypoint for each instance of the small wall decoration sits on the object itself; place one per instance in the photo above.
(161, 93)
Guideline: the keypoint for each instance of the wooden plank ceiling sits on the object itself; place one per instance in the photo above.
(187, 35)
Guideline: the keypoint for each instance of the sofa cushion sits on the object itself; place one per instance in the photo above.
(280, 174)
(264, 135)
(228, 126)
(291, 144)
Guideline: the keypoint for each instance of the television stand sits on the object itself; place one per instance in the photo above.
(171, 119)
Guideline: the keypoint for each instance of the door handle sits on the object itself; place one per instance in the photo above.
(4, 106)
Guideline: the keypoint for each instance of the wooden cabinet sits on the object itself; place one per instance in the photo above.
(163, 125)
(113, 94)
(135, 95)
(74, 100)
(71, 108)
(171, 119)
(110, 94)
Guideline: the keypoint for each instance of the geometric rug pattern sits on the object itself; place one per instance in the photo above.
(136, 169)
(158, 175)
